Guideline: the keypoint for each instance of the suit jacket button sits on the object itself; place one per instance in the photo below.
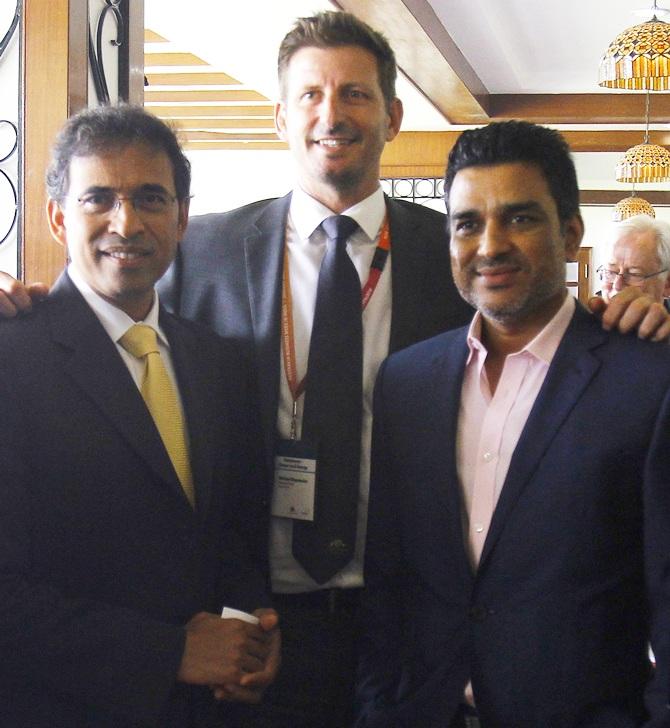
(478, 614)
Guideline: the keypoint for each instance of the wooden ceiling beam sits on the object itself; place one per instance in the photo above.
(166, 111)
(172, 59)
(191, 79)
(623, 108)
(427, 55)
(200, 124)
(228, 136)
(611, 197)
(242, 146)
(431, 148)
(222, 95)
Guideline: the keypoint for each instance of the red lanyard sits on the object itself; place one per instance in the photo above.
(287, 333)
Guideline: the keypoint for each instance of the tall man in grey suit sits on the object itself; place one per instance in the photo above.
(337, 110)
(119, 544)
(518, 556)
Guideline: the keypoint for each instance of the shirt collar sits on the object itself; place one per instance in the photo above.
(542, 347)
(115, 321)
(307, 213)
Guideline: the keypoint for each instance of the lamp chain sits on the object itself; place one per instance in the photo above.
(646, 116)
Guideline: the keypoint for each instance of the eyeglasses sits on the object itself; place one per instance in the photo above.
(150, 201)
(629, 279)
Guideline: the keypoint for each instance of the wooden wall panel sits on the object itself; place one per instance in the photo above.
(55, 85)
(47, 100)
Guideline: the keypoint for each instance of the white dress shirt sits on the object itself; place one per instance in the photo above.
(306, 245)
(116, 322)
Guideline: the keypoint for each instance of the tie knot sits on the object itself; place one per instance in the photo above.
(339, 227)
(139, 340)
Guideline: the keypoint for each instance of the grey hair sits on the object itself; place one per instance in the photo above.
(644, 224)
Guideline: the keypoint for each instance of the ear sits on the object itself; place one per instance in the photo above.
(395, 119)
(280, 120)
(666, 287)
(182, 217)
(56, 220)
(573, 233)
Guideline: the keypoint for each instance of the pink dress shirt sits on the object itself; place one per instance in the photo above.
(489, 427)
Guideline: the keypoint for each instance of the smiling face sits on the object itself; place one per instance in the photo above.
(336, 122)
(123, 252)
(508, 247)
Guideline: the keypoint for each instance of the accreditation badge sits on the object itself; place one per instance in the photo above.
(294, 480)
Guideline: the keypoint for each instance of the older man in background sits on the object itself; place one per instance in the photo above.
(639, 255)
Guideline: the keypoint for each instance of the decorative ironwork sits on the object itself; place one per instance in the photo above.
(12, 27)
(417, 189)
(7, 185)
(116, 9)
(9, 208)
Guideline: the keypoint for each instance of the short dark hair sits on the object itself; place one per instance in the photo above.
(332, 29)
(104, 128)
(519, 141)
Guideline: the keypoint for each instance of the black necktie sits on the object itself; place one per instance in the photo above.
(333, 409)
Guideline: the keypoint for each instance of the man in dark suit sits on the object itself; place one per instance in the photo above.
(118, 548)
(517, 560)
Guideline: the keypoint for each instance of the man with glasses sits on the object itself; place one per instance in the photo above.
(639, 255)
(127, 453)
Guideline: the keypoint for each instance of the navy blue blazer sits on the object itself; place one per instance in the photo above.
(102, 559)
(554, 625)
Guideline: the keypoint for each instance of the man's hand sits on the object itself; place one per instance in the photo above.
(16, 296)
(632, 310)
(252, 685)
(223, 651)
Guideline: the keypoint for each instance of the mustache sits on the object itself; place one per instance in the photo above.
(490, 264)
(114, 241)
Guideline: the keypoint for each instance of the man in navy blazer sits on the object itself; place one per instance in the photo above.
(112, 577)
(518, 549)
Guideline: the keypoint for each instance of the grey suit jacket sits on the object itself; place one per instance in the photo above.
(228, 275)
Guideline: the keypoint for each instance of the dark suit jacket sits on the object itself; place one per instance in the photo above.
(553, 627)
(102, 560)
(228, 275)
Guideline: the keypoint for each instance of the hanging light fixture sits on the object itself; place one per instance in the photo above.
(630, 206)
(639, 58)
(644, 162)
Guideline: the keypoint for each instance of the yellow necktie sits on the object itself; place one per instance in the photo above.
(161, 400)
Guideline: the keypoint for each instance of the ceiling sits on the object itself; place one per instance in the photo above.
(466, 62)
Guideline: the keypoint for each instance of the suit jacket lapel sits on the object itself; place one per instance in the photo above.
(447, 380)
(570, 372)
(91, 359)
(409, 269)
(183, 349)
(264, 251)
